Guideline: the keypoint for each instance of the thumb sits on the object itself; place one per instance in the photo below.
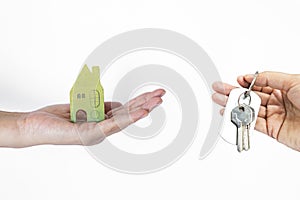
(275, 80)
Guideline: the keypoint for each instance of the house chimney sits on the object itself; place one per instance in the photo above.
(96, 71)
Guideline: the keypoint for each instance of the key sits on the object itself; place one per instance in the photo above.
(242, 116)
(246, 139)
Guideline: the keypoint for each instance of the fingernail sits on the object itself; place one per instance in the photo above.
(160, 92)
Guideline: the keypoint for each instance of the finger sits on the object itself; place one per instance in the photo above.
(261, 125)
(241, 80)
(111, 105)
(220, 99)
(150, 105)
(142, 99)
(222, 88)
(138, 101)
(262, 92)
(275, 80)
(267, 90)
(244, 83)
(264, 98)
(262, 112)
(119, 122)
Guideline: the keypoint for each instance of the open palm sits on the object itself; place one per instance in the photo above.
(279, 114)
(52, 125)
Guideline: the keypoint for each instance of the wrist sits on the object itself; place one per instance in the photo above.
(11, 124)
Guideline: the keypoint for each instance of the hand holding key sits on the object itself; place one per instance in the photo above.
(279, 114)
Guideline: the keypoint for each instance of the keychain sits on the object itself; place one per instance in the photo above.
(241, 110)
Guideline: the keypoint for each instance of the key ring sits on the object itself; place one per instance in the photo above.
(245, 97)
(247, 93)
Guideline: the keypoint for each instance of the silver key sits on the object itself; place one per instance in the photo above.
(246, 139)
(242, 116)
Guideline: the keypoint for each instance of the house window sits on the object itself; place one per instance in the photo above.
(95, 98)
(78, 96)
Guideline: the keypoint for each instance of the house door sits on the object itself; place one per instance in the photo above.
(81, 116)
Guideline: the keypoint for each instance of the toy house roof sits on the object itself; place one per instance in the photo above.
(88, 78)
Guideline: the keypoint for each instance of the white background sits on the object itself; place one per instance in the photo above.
(44, 43)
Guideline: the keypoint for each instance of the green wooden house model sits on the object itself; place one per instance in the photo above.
(87, 97)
